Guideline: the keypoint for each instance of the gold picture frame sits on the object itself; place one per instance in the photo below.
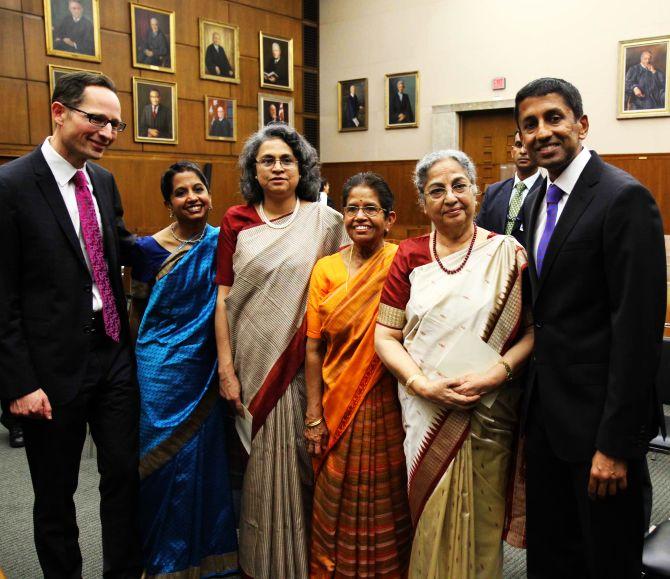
(214, 129)
(163, 127)
(281, 71)
(85, 41)
(229, 36)
(352, 109)
(394, 107)
(265, 112)
(644, 62)
(148, 45)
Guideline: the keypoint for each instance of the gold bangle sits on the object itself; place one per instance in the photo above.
(408, 383)
(508, 369)
(314, 422)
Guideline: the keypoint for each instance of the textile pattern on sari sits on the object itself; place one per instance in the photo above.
(186, 510)
(361, 525)
(266, 311)
(459, 462)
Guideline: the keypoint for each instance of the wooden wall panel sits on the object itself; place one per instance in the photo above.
(14, 112)
(33, 7)
(11, 4)
(38, 101)
(12, 63)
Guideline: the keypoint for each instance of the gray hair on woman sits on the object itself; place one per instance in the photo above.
(306, 155)
(424, 165)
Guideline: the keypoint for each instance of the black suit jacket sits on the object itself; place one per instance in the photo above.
(162, 122)
(599, 308)
(397, 107)
(214, 58)
(279, 68)
(45, 285)
(493, 212)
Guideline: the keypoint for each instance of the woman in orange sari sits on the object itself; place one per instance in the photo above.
(361, 525)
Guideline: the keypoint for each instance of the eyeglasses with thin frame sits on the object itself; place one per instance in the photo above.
(368, 210)
(286, 161)
(439, 192)
(100, 121)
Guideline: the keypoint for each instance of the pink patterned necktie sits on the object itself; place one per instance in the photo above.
(96, 254)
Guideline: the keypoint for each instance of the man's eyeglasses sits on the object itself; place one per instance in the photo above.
(100, 121)
(369, 210)
(286, 161)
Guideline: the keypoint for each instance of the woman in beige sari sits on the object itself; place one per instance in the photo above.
(447, 294)
(266, 252)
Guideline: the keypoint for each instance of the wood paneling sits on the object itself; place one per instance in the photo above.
(10, 5)
(12, 63)
(14, 112)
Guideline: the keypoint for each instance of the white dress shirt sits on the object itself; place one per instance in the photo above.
(528, 182)
(63, 173)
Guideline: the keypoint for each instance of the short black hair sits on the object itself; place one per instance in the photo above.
(545, 86)
(324, 182)
(167, 180)
(376, 183)
(70, 87)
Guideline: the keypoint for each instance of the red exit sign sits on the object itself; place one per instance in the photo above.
(498, 83)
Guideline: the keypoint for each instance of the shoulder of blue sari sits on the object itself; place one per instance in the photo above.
(146, 258)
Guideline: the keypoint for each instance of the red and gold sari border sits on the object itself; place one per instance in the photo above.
(391, 317)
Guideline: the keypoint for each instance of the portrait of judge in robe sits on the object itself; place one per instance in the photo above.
(352, 98)
(276, 62)
(220, 119)
(73, 29)
(219, 51)
(402, 95)
(153, 38)
(273, 109)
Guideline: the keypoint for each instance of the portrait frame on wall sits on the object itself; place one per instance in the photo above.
(265, 113)
(160, 126)
(642, 89)
(55, 71)
(212, 58)
(352, 111)
(79, 40)
(401, 113)
(215, 127)
(152, 48)
(276, 73)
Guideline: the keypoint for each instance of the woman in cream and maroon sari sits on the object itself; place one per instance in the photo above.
(458, 285)
(361, 525)
(267, 249)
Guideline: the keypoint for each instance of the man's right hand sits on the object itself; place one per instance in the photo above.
(33, 405)
(637, 92)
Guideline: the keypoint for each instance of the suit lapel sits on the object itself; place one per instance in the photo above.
(51, 192)
(503, 199)
(534, 212)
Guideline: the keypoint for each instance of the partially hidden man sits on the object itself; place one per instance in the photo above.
(65, 357)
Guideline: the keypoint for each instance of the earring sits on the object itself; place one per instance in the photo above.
(171, 214)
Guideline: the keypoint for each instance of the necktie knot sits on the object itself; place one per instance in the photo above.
(80, 179)
(520, 187)
(554, 194)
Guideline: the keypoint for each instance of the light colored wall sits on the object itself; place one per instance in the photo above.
(459, 46)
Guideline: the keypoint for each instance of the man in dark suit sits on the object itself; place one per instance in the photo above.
(597, 272)
(221, 126)
(65, 356)
(216, 61)
(501, 209)
(74, 32)
(155, 120)
(400, 109)
(353, 108)
(155, 49)
(276, 68)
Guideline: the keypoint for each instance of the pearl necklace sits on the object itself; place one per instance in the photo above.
(286, 223)
(465, 259)
(191, 240)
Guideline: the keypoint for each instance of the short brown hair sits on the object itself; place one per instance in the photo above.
(70, 87)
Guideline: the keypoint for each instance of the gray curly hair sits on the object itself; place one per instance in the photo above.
(308, 162)
(424, 165)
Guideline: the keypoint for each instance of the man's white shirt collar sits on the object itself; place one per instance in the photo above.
(568, 178)
(528, 181)
(62, 170)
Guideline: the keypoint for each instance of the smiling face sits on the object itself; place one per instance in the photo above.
(456, 207)
(76, 138)
(365, 230)
(550, 132)
(190, 201)
(277, 182)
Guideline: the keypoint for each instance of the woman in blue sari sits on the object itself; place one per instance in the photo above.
(186, 509)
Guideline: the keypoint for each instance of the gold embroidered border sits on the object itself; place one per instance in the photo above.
(209, 565)
(391, 317)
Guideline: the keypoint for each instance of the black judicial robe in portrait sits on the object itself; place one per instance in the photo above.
(217, 57)
(159, 45)
(652, 85)
(80, 32)
(221, 128)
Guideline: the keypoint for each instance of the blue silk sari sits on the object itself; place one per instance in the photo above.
(186, 509)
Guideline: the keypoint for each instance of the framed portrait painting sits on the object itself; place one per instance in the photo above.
(276, 62)
(73, 29)
(155, 111)
(219, 51)
(352, 99)
(643, 75)
(402, 100)
(153, 38)
(220, 119)
(273, 108)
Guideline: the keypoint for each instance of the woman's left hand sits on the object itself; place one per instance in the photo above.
(480, 384)
(316, 438)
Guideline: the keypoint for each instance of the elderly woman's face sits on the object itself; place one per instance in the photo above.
(449, 196)
(363, 226)
(281, 179)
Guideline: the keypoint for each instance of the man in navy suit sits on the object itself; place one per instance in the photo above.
(598, 278)
(501, 209)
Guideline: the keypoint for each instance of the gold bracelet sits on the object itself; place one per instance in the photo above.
(508, 369)
(408, 384)
(314, 422)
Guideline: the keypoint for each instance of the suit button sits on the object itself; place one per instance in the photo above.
(538, 324)
(87, 287)
(87, 329)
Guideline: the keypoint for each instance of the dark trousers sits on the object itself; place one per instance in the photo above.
(108, 401)
(568, 534)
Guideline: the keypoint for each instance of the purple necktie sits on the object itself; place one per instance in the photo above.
(554, 195)
(96, 254)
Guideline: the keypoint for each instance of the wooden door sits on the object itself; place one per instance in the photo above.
(488, 136)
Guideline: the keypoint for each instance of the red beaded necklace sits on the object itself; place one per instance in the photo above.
(465, 259)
